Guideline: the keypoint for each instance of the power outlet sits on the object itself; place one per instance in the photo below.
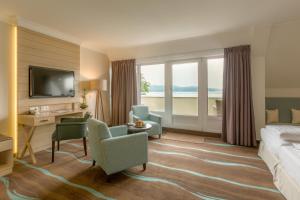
(44, 108)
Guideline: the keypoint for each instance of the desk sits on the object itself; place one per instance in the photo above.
(30, 122)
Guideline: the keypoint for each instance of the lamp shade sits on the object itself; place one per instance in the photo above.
(85, 85)
(95, 84)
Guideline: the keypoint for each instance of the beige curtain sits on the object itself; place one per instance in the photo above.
(238, 116)
(124, 90)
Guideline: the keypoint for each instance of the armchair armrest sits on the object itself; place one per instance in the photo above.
(118, 130)
(155, 118)
(124, 152)
(63, 120)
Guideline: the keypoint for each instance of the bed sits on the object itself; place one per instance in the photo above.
(271, 143)
(277, 147)
(287, 176)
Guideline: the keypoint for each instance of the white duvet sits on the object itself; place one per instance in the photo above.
(289, 133)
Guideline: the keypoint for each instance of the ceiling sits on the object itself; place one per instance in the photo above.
(109, 24)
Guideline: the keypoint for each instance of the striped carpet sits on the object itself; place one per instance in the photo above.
(180, 167)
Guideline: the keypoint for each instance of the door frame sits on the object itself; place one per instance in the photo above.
(202, 122)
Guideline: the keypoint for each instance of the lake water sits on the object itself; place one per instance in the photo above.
(211, 94)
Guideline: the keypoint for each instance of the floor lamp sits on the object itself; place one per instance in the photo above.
(94, 85)
(103, 88)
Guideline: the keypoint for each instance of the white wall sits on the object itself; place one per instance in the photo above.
(257, 37)
(95, 65)
(4, 64)
(283, 60)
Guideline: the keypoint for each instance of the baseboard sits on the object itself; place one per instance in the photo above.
(200, 133)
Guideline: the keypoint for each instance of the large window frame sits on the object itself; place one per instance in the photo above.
(202, 122)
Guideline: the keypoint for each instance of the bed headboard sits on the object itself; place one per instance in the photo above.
(284, 105)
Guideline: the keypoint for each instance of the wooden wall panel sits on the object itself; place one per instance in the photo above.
(45, 51)
(41, 50)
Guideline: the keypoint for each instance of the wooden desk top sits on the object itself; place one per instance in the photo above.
(4, 138)
(45, 118)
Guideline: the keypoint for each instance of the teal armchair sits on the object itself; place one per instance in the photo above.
(142, 112)
(114, 150)
(70, 128)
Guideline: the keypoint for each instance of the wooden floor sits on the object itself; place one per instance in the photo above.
(180, 167)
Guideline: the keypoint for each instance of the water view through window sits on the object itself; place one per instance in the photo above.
(185, 89)
(153, 86)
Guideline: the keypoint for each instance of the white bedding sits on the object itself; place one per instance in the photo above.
(286, 132)
(296, 146)
(272, 140)
(290, 161)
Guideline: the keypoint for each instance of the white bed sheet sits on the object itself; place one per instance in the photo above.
(272, 140)
(287, 132)
(290, 161)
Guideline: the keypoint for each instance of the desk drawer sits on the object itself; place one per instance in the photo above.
(44, 120)
(5, 145)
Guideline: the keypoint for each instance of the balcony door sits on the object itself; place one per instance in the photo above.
(188, 94)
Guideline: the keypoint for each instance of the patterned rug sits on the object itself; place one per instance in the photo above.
(180, 167)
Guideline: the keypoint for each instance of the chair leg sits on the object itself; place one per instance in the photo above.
(53, 149)
(144, 166)
(94, 162)
(58, 145)
(108, 178)
(84, 145)
(159, 136)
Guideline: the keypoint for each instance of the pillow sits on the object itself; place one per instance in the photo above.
(295, 116)
(272, 116)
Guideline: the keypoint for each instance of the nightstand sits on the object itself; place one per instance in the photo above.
(6, 155)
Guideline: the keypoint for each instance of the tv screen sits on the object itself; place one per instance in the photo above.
(47, 82)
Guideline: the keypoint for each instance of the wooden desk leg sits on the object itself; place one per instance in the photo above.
(28, 133)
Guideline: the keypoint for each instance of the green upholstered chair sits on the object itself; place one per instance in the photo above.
(113, 150)
(70, 128)
(142, 112)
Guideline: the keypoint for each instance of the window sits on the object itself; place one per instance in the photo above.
(215, 86)
(152, 79)
(185, 89)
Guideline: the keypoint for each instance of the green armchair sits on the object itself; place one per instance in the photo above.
(70, 128)
(142, 112)
(113, 150)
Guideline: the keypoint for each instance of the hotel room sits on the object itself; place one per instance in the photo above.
(161, 99)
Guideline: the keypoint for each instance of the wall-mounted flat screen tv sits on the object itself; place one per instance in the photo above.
(47, 82)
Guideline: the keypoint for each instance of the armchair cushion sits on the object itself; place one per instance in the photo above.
(141, 112)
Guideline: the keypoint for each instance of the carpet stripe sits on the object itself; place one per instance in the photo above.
(14, 195)
(62, 179)
(154, 179)
(223, 163)
(213, 178)
(206, 151)
(72, 155)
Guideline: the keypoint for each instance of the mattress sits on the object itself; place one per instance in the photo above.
(290, 161)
